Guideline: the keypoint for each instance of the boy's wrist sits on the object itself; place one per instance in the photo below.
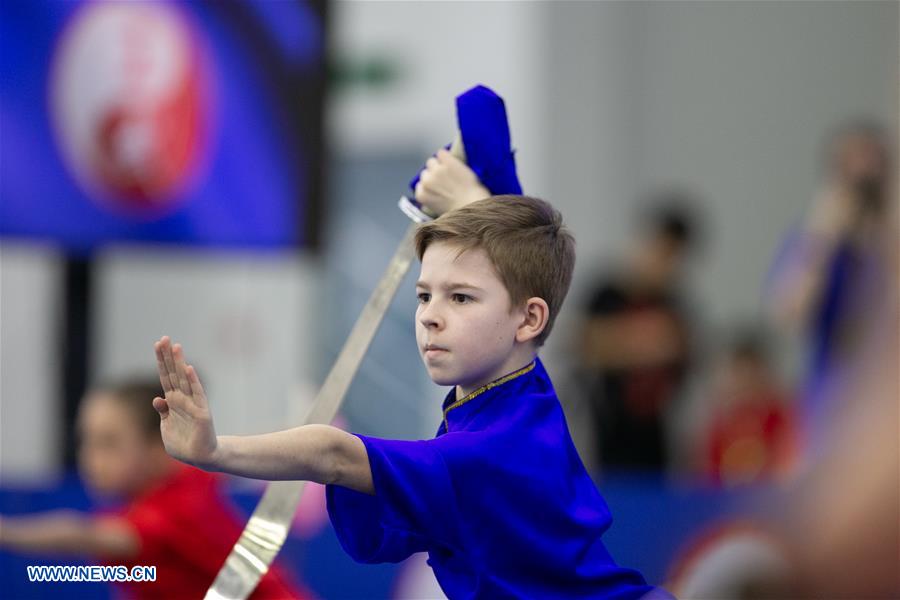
(220, 457)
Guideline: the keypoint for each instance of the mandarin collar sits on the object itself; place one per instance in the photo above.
(482, 393)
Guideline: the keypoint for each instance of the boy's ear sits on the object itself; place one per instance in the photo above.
(536, 313)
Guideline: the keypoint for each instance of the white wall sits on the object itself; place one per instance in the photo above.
(441, 49)
(735, 99)
(731, 99)
(30, 362)
(247, 323)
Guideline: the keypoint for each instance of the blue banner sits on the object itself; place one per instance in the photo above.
(187, 123)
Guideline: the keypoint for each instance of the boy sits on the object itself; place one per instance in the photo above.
(499, 499)
(175, 520)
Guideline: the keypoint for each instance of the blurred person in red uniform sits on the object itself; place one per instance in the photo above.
(175, 517)
(750, 437)
(634, 344)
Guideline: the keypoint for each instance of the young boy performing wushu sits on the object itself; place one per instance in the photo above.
(499, 498)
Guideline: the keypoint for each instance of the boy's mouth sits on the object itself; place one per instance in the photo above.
(431, 351)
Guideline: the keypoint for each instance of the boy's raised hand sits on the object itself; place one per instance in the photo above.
(447, 183)
(185, 420)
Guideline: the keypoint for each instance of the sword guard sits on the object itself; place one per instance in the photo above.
(413, 210)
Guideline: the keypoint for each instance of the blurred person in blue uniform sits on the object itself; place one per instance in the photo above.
(833, 265)
(499, 499)
(835, 281)
(832, 532)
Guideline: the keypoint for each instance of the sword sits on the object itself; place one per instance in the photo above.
(267, 529)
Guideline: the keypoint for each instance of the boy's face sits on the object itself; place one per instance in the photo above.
(465, 329)
(113, 452)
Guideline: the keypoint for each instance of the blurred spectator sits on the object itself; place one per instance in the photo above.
(635, 342)
(833, 265)
(844, 519)
(175, 518)
(751, 429)
(837, 281)
(834, 533)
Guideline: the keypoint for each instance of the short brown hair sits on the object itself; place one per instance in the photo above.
(532, 251)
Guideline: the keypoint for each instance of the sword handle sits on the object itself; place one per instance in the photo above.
(411, 207)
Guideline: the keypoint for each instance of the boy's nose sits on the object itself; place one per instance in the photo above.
(430, 318)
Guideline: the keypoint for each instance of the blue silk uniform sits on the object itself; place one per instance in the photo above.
(500, 500)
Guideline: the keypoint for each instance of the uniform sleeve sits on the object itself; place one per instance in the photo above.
(413, 509)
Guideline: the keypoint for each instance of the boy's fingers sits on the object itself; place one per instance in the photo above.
(196, 386)
(447, 158)
(183, 385)
(161, 367)
(432, 163)
(421, 192)
(161, 406)
(169, 361)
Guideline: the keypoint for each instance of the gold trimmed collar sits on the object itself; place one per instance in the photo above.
(485, 388)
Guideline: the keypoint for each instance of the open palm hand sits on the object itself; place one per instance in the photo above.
(185, 420)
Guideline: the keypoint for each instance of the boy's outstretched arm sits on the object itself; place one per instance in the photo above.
(319, 453)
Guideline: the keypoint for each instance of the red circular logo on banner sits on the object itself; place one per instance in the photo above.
(130, 104)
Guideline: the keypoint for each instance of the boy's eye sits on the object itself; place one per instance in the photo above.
(462, 298)
(423, 297)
